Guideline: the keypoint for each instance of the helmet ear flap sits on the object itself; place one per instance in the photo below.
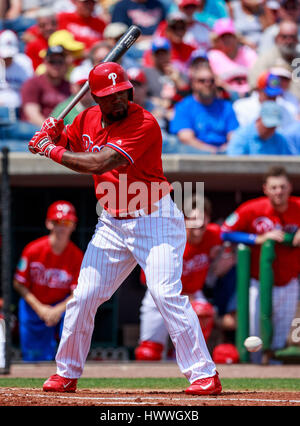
(130, 94)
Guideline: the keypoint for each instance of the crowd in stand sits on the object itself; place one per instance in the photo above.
(220, 76)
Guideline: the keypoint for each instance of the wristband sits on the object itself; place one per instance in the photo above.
(57, 153)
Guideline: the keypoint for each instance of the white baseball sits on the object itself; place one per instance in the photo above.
(253, 343)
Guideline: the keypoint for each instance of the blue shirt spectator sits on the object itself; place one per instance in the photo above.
(261, 136)
(202, 120)
(292, 135)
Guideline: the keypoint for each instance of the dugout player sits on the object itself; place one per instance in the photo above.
(120, 143)
(45, 278)
(268, 218)
(202, 247)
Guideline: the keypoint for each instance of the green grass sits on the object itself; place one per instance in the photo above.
(161, 383)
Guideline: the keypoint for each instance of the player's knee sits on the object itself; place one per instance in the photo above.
(149, 351)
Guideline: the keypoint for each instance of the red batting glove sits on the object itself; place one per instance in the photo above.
(42, 144)
(53, 127)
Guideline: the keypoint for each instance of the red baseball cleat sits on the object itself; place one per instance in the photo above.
(207, 386)
(58, 383)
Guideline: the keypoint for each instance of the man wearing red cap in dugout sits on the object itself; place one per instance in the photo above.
(45, 278)
(120, 144)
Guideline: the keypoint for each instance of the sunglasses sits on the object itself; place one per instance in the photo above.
(205, 80)
(56, 61)
(63, 222)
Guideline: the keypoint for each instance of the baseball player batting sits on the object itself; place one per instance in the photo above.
(120, 143)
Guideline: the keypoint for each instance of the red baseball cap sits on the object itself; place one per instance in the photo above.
(62, 210)
(183, 3)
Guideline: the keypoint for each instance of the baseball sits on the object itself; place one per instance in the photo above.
(253, 343)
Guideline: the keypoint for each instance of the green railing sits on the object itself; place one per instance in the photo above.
(266, 279)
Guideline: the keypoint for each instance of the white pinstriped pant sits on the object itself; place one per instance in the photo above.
(156, 242)
(152, 324)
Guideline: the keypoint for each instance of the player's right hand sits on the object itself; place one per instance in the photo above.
(275, 235)
(41, 143)
(53, 127)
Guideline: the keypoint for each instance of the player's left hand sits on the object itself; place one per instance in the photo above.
(41, 144)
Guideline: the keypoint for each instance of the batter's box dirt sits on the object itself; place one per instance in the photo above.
(129, 398)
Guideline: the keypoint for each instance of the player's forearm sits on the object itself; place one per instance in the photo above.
(93, 163)
(29, 297)
(61, 307)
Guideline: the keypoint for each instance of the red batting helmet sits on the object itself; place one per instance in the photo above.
(61, 210)
(107, 78)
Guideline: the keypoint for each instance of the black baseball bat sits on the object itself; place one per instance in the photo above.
(125, 42)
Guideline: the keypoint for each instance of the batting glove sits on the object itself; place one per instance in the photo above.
(42, 144)
(53, 127)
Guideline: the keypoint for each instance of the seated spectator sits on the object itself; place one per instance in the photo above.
(260, 137)
(249, 20)
(41, 94)
(95, 56)
(165, 82)
(111, 34)
(202, 122)
(36, 37)
(138, 79)
(74, 49)
(210, 10)
(18, 67)
(28, 8)
(78, 77)
(82, 23)
(13, 16)
(146, 14)
(292, 135)
(268, 87)
(288, 10)
(180, 51)
(197, 33)
(229, 59)
(292, 103)
(284, 52)
(15, 70)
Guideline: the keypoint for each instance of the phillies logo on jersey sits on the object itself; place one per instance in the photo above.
(198, 262)
(88, 144)
(51, 277)
(263, 224)
(113, 76)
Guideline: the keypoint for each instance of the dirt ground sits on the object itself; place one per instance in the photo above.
(132, 398)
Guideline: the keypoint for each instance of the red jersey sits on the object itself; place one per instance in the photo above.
(138, 138)
(257, 217)
(50, 277)
(34, 50)
(87, 30)
(196, 260)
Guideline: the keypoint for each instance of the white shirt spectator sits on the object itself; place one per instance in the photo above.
(247, 110)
